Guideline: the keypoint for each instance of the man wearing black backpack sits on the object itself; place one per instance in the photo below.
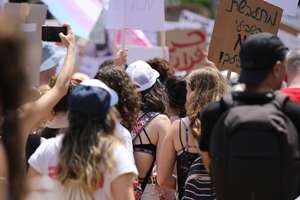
(250, 139)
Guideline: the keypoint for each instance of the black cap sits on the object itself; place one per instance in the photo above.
(259, 53)
(89, 100)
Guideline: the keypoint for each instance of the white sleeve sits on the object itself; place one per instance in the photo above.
(38, 160)
(126, 138)
(128, 144)
(124, 162)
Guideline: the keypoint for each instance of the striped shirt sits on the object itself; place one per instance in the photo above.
(198, 185)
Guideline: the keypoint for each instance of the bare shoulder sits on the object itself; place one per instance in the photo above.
(161, 120)
(162, 117)
(175, 127)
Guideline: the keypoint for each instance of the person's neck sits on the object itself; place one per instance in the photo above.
(260, 89)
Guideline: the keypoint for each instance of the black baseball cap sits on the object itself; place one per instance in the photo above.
(258, 54)
(92, 97)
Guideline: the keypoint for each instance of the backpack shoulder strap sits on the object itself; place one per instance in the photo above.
(227, 102)
(141, 123)
(148, 175)
(280, 100)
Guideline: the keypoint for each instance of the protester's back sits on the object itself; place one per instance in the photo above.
(252, 136)
(257, 149)
(88, 160)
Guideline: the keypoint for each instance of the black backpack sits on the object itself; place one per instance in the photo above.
(255, 152)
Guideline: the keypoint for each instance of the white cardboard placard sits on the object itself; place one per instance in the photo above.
(144, 53)
(204, 22)
(136, 14)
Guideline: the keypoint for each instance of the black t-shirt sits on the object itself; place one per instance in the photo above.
(212, 112)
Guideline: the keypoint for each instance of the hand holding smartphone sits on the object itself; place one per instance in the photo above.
(51, 33)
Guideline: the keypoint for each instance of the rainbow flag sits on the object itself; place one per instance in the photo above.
(82, 15)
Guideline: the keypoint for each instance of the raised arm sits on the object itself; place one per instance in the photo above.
(33, 112)
(121, 58)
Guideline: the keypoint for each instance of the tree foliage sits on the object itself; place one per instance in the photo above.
(206, 3)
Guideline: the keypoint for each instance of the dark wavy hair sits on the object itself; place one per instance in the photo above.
(176, 91)
(163, 67)
(129, 100)
(12, 84)
(152, 99)
(87, 150)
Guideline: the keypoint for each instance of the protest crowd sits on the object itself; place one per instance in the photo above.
(140, 130)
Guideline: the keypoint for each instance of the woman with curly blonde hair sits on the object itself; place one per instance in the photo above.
(204, 86)
(88, 161)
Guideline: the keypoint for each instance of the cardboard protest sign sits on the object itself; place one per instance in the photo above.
(146, 53)
(136, 14)
(289, 6)
(235, 21)
(186, 48)
(33, 17)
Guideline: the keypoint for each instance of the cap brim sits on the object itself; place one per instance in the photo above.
(253, 76)
(114, 97)
(97, 83)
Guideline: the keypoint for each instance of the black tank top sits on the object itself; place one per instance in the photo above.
(184, 160)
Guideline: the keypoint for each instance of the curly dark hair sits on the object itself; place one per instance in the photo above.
(163, 67)
(129, 99)
(13, 83)
(107, 63)
(152, 99)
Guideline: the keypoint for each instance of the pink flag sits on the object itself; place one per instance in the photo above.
(133, 37)
(80, 14)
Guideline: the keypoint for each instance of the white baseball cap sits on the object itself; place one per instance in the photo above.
(142, 75)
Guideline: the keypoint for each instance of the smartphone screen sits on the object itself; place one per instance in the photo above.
(51, 33)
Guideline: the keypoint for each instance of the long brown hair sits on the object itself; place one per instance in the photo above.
(86, 151)
(12, 84)
(207, 85)
(152, 99)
